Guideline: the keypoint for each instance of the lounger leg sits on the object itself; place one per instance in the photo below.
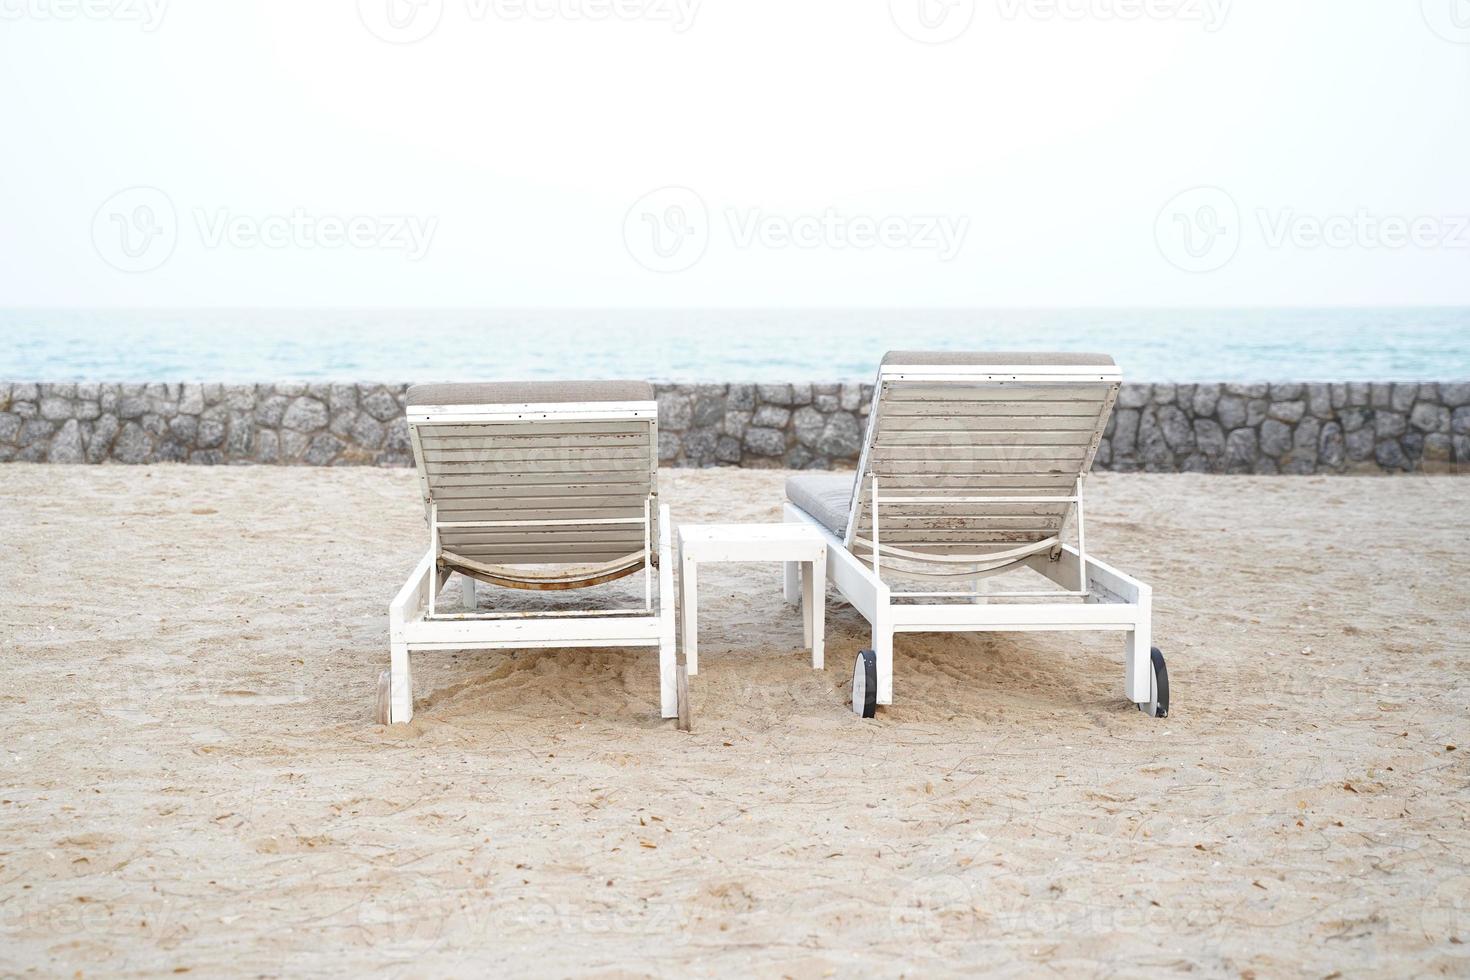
(793, 582)
(1137, 667)
(883, 649)
(400, 686)
(467, 587)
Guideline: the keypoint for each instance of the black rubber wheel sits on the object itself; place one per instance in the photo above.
(1158, 705)
(865, 684)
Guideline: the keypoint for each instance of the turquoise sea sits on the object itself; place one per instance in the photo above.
(719, 345)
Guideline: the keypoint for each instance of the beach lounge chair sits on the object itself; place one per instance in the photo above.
(973, 468)
(547, 486)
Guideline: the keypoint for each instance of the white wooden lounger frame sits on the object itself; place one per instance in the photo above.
(953, 416)
(497, 478)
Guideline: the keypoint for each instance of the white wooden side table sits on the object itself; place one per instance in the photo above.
(794, 544)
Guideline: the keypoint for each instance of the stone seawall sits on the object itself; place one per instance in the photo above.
(1208, 428)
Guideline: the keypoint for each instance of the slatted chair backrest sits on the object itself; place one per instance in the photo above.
(947, 431)
(538, 473)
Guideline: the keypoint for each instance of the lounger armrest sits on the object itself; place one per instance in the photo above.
(414, 596)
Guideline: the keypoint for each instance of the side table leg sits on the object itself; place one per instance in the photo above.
(793, 579)
(814, 613)
(689, 606)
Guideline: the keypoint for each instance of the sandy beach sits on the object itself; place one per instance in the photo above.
(192, 781)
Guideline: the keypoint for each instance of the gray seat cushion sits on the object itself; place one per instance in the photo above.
(529, 392)
(824, 496)
(1019, 358)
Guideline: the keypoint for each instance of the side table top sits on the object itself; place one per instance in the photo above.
(773, 533)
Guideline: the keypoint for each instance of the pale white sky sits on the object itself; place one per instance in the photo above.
(823, 153)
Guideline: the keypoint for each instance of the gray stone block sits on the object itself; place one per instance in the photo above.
(1454, 395)
(398, 440)
(1133, 396)
(772, 417)
(1209, 437)
(668, 446)
(808, 424)
(66, 445)
(381, 404)
(1319, 401)
(1241, 451)
(675, 411)
(1164, 394)
(132, 407)
(341, 398)
(1256, 411)
(727, 450)
(775, 394)
(207, 457)
(26, 410)
(1275, 437)
(270, 410)
(24, 393)
(191, 399)
(1390, 455)
(742, 398)
(240, 435)
(34, 431)
(1389, 424)
(1460, 421)
(1430, 418)
(324, 448)
(1331, 452)
(1248, 391)
(1291, 412)
(133, 445)
(1125, 432)
(1404, 395)
(765, 442)
(826, 402)
(170, 450)
(99, 443)
(293, 444)
(709, 410)
(239, 398)
(9, 427)
(842, 437)
(305, 414)
(367, 431)
(211, 433)
(801, 394)
(851, 399)
(88, 411)
(1231, 412)
(1359, 444)
(1287, 392)
(185, 428)
(699, 446)
(1206, 397)
(267, 447)
(735, 423)
(1178, 433)
(55, 409)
